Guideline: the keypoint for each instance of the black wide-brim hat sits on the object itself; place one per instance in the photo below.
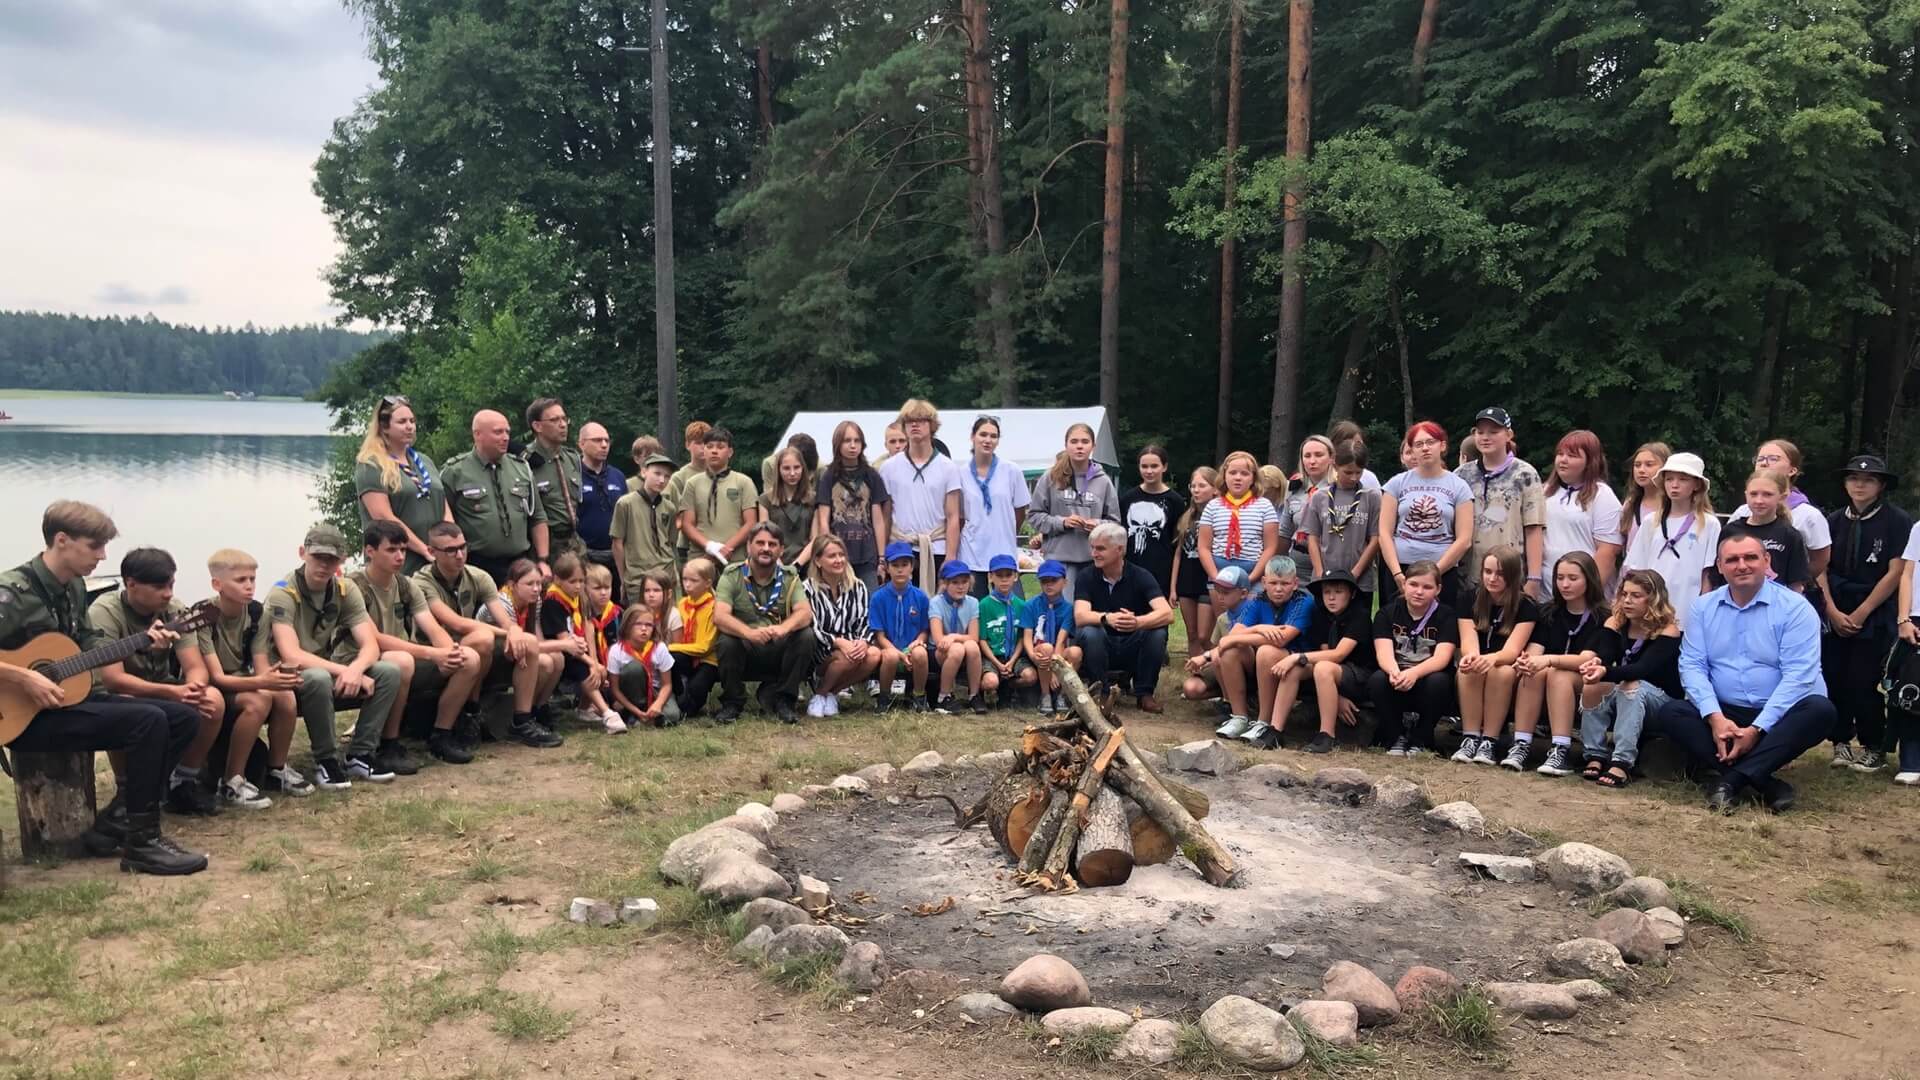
(1332, 577)
(1872, 465)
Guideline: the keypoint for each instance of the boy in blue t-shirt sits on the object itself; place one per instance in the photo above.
(1264, 628)
(899, 616)
(955, 616)
(1046, 631)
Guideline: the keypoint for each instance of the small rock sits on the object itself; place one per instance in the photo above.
(1669, 925)
(1043, 983)
(1348, 981)
(686, 860)
(810, 940)
(1284, 952)
(759, 812)
(1585, 990)
(752, 826)
(876, 775)
(1458, 816)
(1272, 774)
(639, 911)
(1085, 1018)
(1536, 1001)
(923, 763)
(863, 967)
(768, 911)
(1343, 781)
(736, 879)
(1209, 756)
(1154, 759)
(997, 761)
(590, 912)
(786, 803)
(1644, 893)
(1334, 1022)
(966, 761)
(754, 945)
(1634, 934)
(1584, 869)
(851, 785)
(1422, 987)
(817, 791)
(1586, 958)
(814, 894)
(1248, 1033)
(984, 1008)
(1151, 1042)
(1512, 869)
(1396, 793)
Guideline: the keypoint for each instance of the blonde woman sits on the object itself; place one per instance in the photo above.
(392, 481)
(839, 599)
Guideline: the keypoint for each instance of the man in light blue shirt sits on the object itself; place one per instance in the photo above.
(1750, 663)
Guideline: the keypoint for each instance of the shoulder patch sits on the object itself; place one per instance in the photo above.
(6, 596)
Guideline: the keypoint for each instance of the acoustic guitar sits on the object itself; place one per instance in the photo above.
(57, 657)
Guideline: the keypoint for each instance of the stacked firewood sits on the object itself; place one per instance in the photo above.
(1081, 808)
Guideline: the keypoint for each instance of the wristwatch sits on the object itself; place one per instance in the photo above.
(1105, 625)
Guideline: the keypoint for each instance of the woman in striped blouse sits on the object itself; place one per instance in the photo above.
(839, 599)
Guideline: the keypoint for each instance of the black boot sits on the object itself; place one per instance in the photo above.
(146, 851)
(109, 830)
(394, 758)
(449, 748)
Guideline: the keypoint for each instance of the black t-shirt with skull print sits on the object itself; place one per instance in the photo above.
(1150, 519)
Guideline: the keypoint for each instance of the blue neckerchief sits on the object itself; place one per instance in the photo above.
(422, 476)
(773, 597)
(986, 486)
(1050, 616)
(953, 609)
(895, 618)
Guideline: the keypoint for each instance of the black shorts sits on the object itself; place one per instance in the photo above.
(1192, 582)
(1353, 682)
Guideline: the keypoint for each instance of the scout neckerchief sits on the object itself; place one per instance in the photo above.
(1567, 649)
(1570, 492)
(897, 615)
(1050, 616)
(713, 492)
(1795, 500)
(576, 613)
(416, 469)
(1338, 519)
(985, 484)
(1670, 545)
(1488, 476)
(920, 471)
(765, 608)
(953, 610)
(1234, 545)
(1634, 645)
(1853, 531)
(1421, 626)
(690, 610)
(1008, 630)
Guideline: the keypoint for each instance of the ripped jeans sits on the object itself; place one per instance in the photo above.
(1626, 711)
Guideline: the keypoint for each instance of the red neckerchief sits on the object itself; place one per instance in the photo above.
(1234, 546)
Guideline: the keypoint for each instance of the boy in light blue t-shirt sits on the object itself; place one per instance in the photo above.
(955, 616)
(1046, 631)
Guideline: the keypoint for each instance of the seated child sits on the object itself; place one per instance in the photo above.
(1414, 639)
(641, 669)
(1226, 594)
(1331, 663)
(1000, 630)
(1046, 631)
(954, 618)
(1493, 638)
(696, 665)
(899, 616)
(1262, 633)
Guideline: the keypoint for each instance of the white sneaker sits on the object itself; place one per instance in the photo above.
(1907, 779)
(287, 780)
(237, 792)
(830, 704)
(1842, 755)
(614, 725)
(1235, 727)
(815, 708)
(899, 687)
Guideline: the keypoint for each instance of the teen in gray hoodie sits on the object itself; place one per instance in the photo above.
(1068, 501)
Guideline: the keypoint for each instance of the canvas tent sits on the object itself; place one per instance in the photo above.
(1029, 438)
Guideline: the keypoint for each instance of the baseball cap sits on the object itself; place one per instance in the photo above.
(1002, 562)
(658, 459)
(954, 568)
(1050, 569)
(1688, 465)
(899, 549)
(1232, 577)
(325, 539)
(1496, 414)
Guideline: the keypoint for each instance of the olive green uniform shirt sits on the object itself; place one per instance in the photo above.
(417, 510)
(322, 623)
(470, 592)
(114, 618)
(494, 505)
(720, 506)
(556, 485)
(671, 501)
(227, 641)
(395, 610)
(33, 603)
(757, 605)
(644, 527)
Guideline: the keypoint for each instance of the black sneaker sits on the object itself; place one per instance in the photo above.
(109, 832)
(920, 704)
(530, 732)
(368, 769)
(394, 758)
(978, 703)
(1264, 737)
(945, 705)
(783, 710)
(883, 703)
(727, 714)
(1322, 743)
(330, 775)
(467, 727)
(448, 747)
(188, 797)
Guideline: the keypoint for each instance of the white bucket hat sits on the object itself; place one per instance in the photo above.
(1689, 465)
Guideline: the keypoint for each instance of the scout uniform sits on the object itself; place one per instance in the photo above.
(673, 500)
(556, 485)
(495, 505)
(32, 603)
(466, 594)
(235, 642)
(720, 505)
(324, 625)
(114, 618)
(644, 526)
(395, 611)
(419, 500)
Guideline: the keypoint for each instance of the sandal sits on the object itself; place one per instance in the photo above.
(1616, 777)
(1595, 767)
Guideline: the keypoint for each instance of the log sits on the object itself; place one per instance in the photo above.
(1106, 843)
(1013, 805)
(56, 800)
(1040, 844)
(1140, 783)
(1153, 845)
(1091, 780)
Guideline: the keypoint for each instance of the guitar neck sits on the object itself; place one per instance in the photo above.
(110, 653)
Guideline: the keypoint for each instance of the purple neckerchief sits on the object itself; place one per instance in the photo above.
(1795, 500)
(1488, 476)
(1570, 492)
(1672, 543)
(1421, 626)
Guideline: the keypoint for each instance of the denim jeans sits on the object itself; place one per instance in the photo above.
(1626, 711)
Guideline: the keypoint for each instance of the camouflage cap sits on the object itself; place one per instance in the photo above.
(325, 539)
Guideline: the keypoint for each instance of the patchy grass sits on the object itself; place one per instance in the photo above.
(1194, 1052)
(813, 975)
(1090, 1047)
(1844, 893)
(66, 901)
(1700, 906)
(1466, 1020)
(1337, 1060)
(524, 1017)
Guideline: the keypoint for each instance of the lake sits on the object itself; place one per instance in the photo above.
(191, 475)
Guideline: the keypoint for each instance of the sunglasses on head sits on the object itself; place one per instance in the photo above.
(389, 402)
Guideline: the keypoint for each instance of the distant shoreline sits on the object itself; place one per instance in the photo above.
(31, 394)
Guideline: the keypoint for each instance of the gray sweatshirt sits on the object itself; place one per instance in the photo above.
(1052, 506)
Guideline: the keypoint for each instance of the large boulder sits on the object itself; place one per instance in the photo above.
(981, 1008)
(1084, 1018)
(1512, 869)
(924, 763)
(769, 911)
(1336, 1023)
(1248, 1033)
(754, 945)
(1043, 983)
(1457, 817)
(1536, 1001)
(1635, 934)
(1348, 981)
(686, 860)
(1396, 793)
(736, 879)
(1209, 756)
(1424, 987)
(759, 812)
(1645, 893)
(1149, 1042)
(797, 941)
(878, 774)
(863, 967)
(788, 803)
(1586, 958)
(1584, 869)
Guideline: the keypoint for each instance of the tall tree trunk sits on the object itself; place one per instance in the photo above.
(1782, 360)
(1422, 43)
(989, 211)
(1890, 358)
(1348, 388)
(1760, 384)
(1406, 351)
(1110, 237)
(1293, 236)
(1850, 368)
(1223, 410)
(763, 76)
(664, 347)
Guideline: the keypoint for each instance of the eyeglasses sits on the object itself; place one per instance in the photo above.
(1770, 459)
(460, 549)
(1423, 444)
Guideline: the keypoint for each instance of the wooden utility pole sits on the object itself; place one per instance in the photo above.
(1223, 410)
(1110, 237)
(1293, 236)
(664, 346)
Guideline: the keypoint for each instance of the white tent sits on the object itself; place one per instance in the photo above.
(1029, 438)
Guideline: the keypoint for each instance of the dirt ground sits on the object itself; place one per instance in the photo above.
(418, 929)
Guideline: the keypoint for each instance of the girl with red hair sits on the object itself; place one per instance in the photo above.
(1583, 514)
(1426, 513)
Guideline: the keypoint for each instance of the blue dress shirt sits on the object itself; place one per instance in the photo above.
(1763, 656)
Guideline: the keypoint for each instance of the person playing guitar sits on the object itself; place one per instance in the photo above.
(48, 595)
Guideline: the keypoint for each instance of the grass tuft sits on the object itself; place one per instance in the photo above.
(521, 1016)
(59, 901)
(1336, 1060)
(1090, 1047)
(1698, 905)
(813, 975)
(484, 867)
(1466, 1019)
(1194, 1052)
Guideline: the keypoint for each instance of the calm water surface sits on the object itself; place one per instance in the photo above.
(188, 475)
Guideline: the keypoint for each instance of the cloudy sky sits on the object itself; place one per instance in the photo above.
(159, 155)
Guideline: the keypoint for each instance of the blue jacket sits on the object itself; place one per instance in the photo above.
(598, 492)
(902, 616)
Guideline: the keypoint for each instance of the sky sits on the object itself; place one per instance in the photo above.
(159, 156)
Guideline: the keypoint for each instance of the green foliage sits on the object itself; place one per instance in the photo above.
(147, 356)
(1467, 1019)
